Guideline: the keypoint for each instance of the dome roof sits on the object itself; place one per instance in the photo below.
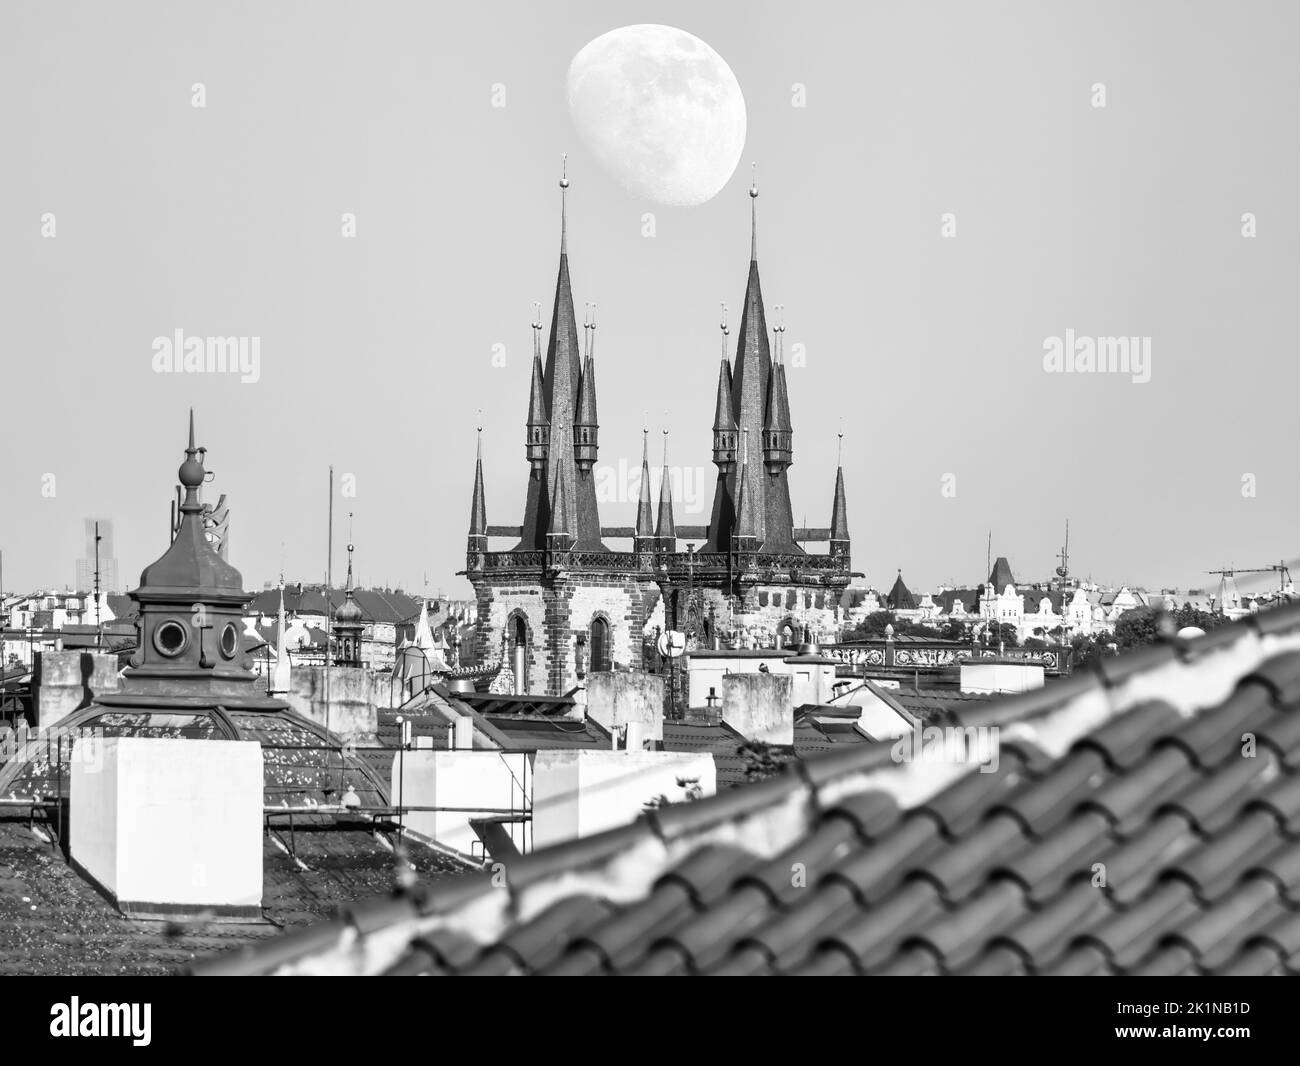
(348, 610)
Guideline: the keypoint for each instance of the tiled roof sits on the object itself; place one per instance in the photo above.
(930, 704)
(535, 732)
(1143, 817)
(721, 741)
(54, 922)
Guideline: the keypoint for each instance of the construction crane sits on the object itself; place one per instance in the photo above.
(1282, 569)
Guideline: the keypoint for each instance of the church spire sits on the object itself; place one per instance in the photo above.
(539, 424)
(644, 530)
(777, 434)
(478, 505)
(724, 421)
(751, 376)
(666, 529)
(839, 510)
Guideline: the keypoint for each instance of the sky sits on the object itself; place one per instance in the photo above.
(377, 352)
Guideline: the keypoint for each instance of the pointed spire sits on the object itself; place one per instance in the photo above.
(563, 370)
(751, 384)
(666, 529)
(644, 529)
(839, 509)
(478, 505)
(900, 597)
(778, 408)
(538, 430)
(586, 425)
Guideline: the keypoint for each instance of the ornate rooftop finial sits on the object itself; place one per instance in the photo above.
(665, 447)
(753, 214)
(839, 454)
(564, 204)
(191, 474)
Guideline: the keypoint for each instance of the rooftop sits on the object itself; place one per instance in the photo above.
(1142, 817)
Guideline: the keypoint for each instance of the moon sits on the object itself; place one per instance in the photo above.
(661, 112)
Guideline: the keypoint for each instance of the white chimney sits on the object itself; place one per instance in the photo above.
(635, 736)
(464, 733)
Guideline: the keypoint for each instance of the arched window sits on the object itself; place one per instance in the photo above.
(519, 653)
(788, 635)
(599, 660)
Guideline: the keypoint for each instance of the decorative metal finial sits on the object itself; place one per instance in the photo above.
(753, 187)
(839, 456)
(564, 204)
(753, 217)
(665, 444)
(593, 314)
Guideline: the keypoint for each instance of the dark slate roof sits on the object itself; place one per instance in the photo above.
(968, 598)
(381, 606)
(1000, 576)
(900, 597)
(916, 867)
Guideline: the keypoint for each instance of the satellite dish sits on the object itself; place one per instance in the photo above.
(672, 643)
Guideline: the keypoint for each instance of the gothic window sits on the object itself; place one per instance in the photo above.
(600, 660)
(519, 652)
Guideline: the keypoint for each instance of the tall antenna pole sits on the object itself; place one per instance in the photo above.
(99, 632)
(329, 586)
(988, 554)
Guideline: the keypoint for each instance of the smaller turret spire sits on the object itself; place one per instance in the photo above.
(538, 430)
(666, 529)
(839, 507)
(586, 427)
(777, 434)
(724, 420)
(478, 505)
(644, 531)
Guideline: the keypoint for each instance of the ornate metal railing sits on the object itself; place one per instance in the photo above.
(917, 655)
